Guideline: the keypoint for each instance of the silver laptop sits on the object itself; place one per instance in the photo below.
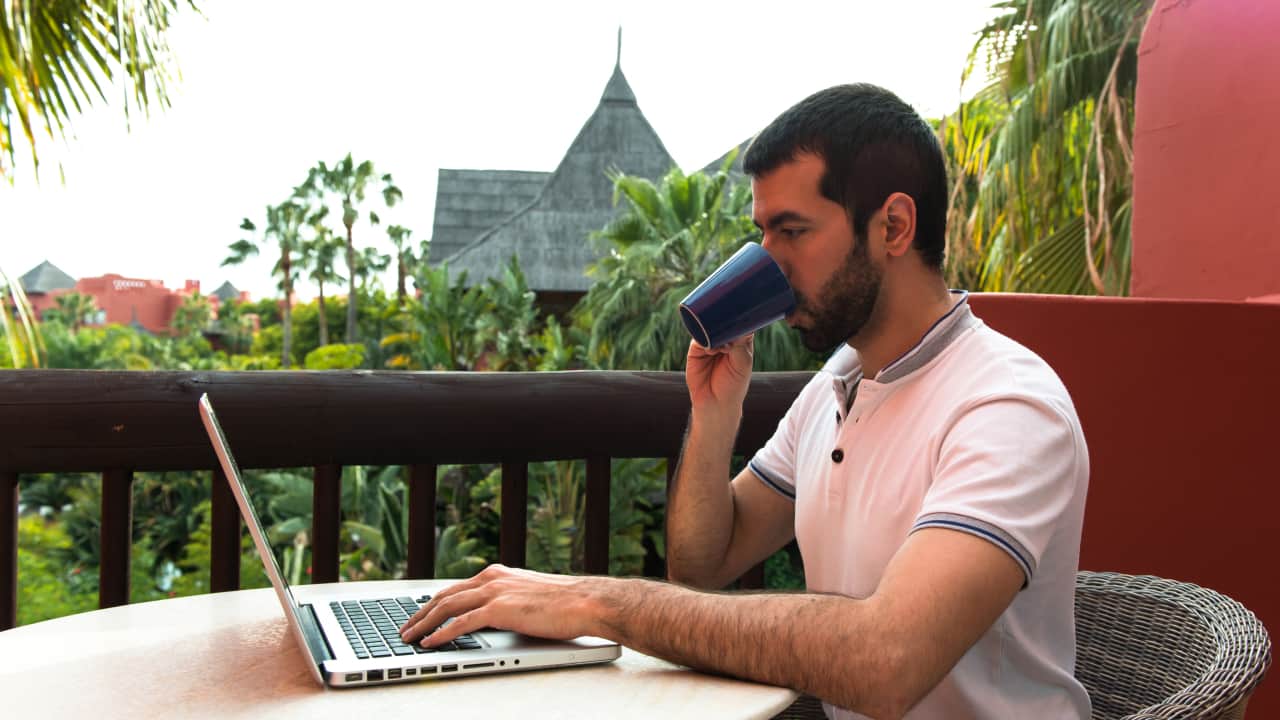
(351, 636)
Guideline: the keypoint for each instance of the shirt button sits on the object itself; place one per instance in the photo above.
(837, 455)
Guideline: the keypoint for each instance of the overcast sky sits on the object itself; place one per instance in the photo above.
(269, 88)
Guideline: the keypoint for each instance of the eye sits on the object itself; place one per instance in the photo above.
(791, 233)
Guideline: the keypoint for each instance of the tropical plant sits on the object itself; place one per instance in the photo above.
(506, 330)
(56, 58)
(282, 227)
(437, 330)
(335, 357)
(319, 257)
(405, 258)
(370, 262)
(456, 554)
(349, 182)
(77, 309)
(1042, 155)
(668, 238)
(18, 327)
(192, 317)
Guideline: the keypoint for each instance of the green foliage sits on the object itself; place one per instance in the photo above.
(1041, 157)
(269, 341)
(18, 330)
(783, 570)
(194, 563)
(348, 182)
(76, 309)
(57, 58)
(335, 357)
(670, 237)
(192, 317)
(456, 554)
(47, 586)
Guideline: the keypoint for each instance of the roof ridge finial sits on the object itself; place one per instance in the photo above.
(618, 62)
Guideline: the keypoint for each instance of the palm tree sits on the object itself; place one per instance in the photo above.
(18, 327)
(370, 262)
(192, 316)
(404, 257)
(319, 256)
(349, 181)
(283, 228)
(57, 58)
(669, 238)
(1042, 155)
(76, 309)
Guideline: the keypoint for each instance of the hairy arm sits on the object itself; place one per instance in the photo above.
(878, 656)
(716, 530)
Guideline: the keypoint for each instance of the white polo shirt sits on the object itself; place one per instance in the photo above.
(968, 431)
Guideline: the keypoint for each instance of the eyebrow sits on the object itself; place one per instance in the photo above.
(786, 216)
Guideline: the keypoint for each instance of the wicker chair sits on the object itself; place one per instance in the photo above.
(1154, 649)
(1149, 648)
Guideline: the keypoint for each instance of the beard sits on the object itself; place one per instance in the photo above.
(844, 305)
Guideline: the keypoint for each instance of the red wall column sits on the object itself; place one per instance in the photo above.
(1206, 200)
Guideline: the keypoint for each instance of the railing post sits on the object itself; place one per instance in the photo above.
(596, 560)
(326, 519)
(655, 566)
(515, 509)
(116, 539)
(224, 543)
(8, 550)
(422, 521)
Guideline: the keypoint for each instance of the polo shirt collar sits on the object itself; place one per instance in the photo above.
(846, 366)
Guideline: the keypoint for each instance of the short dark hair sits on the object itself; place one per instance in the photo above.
(873, 145)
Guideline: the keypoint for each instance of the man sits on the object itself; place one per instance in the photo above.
(933, 473)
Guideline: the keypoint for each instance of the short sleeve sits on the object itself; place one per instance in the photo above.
(1008, 471)
(775, 463)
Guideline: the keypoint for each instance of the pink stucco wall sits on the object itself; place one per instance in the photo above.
(1206, 201)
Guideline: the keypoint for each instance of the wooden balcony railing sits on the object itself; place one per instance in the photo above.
(116, 423)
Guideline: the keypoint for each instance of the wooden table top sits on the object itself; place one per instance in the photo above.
(231, 655)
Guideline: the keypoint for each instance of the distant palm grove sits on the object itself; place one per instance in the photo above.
(1041, 165)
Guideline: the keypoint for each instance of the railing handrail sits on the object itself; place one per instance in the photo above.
(91, 421)
(118, 422)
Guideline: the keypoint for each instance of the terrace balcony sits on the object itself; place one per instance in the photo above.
(1178, 400)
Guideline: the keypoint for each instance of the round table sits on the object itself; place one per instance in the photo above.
(230, 654)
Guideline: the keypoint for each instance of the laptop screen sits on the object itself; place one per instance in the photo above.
(232, 471)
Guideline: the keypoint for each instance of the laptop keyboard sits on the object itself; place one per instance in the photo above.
(373, 627)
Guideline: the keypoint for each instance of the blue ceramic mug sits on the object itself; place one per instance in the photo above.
(743, 295)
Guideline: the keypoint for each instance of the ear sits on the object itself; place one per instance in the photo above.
(899, 212)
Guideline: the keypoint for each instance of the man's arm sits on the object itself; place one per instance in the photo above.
(716, 529)
(878, 656)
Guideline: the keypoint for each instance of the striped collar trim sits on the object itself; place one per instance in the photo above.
(844, 363)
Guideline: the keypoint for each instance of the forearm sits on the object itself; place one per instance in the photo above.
(700, 507)
(826, 645)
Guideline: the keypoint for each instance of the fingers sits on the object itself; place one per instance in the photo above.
(698, 351)
(455, 606)
(480, 578)
(462, 624)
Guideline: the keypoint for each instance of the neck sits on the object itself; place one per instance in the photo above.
(902, 316)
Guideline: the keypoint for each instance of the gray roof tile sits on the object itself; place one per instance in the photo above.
(45, 278)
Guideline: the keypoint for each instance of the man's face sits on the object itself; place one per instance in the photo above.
(811, 238)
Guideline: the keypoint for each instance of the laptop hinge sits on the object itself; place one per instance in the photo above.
(316, 641)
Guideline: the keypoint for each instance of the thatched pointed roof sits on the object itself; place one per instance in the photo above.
(45, 278)
(468, 202)
(550, 234)
(735, 169)
(226, 292)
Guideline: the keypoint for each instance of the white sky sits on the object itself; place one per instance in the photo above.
(268, 88)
